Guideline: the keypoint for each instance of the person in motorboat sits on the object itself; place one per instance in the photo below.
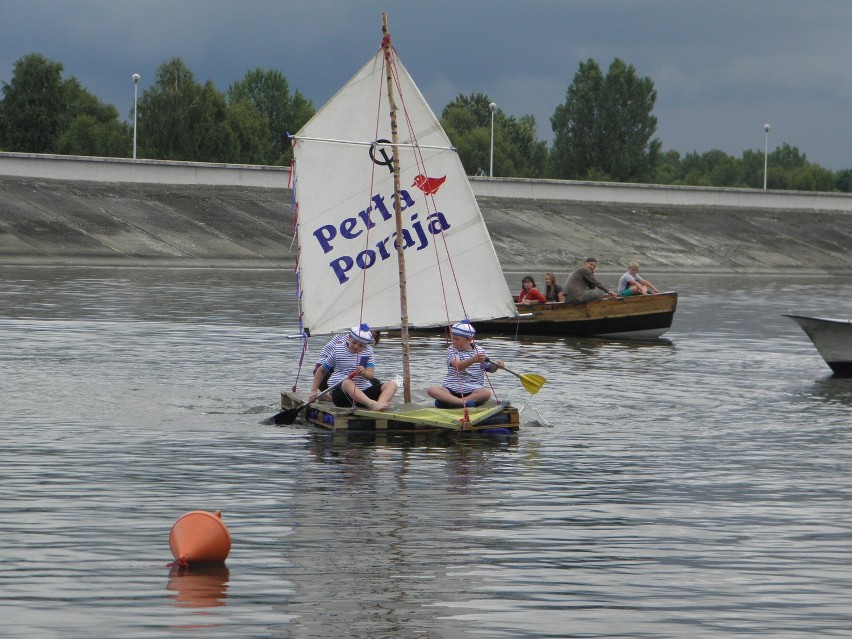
(352, 367)
(583, 286)
(529, 293)
(552, 291)
(464, 383)
(631, 284)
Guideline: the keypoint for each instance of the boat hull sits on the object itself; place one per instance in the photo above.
(832, 338)
(639, 317)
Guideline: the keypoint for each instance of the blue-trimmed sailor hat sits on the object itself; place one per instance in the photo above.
(361, 334)
(464, 329)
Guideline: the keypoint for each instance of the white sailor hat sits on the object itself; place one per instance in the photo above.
(464, 329)
(361, 334)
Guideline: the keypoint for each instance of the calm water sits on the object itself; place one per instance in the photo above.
(698, 486)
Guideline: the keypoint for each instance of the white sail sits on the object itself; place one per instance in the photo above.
(346, 231)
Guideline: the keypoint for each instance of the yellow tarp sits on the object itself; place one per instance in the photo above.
(449, 418)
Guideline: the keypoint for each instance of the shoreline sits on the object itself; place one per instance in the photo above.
(68, 223)
(511, 272)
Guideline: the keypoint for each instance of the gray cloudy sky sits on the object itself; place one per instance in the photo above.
(721, 68)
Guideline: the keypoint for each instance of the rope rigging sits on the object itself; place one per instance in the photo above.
(445, 274)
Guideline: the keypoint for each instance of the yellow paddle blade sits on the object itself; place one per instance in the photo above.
(532, 382)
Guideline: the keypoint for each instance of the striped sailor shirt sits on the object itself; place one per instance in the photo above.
(343, 361)
(469, 379)
(326, 351)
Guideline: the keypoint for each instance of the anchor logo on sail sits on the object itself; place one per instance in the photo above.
(429, 185)
(387, 160)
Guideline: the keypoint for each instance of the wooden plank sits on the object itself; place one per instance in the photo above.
(417, 416)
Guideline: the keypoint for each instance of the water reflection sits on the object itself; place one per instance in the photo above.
(199, 586)
(366, 519)
(832, 390)
(589, 343)
(335, 446)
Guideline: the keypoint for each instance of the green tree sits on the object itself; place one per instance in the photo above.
(788, 170)
(216, 140)
(253, 139)
(33, 113)
(44, 114)
(180, 119)
(752, 169)
(78, 101)
(269, 93)
(712, 168)
(787, 157)
(467, 122)
(91, 127)
(532, 151)
(517, 151)
(669, 169)
(811, 177)
(85, 135)
(605, 126)
(168, 114)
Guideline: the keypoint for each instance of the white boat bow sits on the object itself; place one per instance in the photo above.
(832, 338)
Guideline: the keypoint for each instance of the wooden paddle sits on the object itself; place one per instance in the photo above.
(289, 416)
(530, 381)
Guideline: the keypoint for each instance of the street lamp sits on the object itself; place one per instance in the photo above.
(136, 78)
(765, 153)
(493, 107)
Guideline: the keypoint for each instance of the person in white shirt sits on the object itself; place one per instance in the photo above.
(464, 383)
(352, 368)
(631, 284)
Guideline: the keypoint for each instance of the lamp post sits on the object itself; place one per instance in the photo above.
(493, 107)
(765, 154)
(136, 78)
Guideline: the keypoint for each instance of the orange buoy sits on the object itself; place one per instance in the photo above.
(200, 537)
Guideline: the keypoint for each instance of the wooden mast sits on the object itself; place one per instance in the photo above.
(397, 209)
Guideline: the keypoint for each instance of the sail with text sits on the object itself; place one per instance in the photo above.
(344, 192)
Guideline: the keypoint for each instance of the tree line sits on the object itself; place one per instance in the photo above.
(178, 118)
(604, 131)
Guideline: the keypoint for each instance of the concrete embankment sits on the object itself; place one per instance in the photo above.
(47, 221)
(58, 222)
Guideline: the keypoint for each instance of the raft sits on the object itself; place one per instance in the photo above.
(408, 418)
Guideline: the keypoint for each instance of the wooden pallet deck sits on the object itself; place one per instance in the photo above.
(407, 418)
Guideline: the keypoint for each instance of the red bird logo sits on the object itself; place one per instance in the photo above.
(429, 186)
